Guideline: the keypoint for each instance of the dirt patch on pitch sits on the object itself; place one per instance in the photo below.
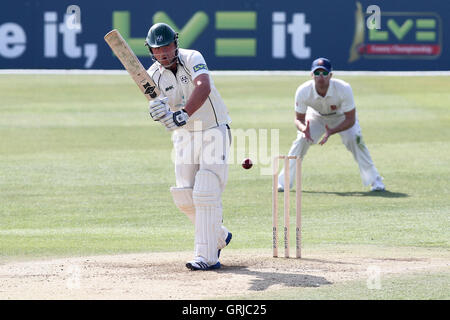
(164, 276)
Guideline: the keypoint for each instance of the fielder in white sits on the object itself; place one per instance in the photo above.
(191, 106)
(323, 107)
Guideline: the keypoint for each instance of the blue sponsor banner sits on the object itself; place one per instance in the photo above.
(231, 35)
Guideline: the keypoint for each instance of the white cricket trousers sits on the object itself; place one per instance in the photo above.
(196, 150)
(201, 164)
(351, 138)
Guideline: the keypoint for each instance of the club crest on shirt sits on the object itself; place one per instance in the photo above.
(333, 107)
(184, 79)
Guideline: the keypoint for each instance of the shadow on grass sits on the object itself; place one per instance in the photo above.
(266, 279)
(375, 194)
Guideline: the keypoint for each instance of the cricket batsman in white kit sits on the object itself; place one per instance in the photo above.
(191, 106)
(324, 107)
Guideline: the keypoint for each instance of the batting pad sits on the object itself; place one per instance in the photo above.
(183, 200)
(208, 221)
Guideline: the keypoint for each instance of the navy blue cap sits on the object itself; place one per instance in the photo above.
(321, 63)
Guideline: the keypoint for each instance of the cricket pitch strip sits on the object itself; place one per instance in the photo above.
(163, 276)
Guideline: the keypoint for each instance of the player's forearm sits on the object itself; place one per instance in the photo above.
(300, 121)
(301, 126)
(198, 97)
(344, 125)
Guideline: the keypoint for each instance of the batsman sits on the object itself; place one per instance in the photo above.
(191, 107)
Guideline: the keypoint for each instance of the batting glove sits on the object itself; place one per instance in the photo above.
(158, 108)
(174, 120)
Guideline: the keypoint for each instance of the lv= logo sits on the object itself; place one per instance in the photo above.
(187, 35)
(196, 25)
(397, 35)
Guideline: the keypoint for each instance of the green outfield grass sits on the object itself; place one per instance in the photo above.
(84, 169)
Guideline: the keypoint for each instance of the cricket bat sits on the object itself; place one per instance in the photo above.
(132, 64)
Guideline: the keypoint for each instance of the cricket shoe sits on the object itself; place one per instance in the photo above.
(200, 264)
(378, 184)
(281, 188)
(227, 241)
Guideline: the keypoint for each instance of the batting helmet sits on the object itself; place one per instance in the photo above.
(160, 35)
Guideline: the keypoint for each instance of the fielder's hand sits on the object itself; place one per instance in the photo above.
(174, 120)
(327, 135)
(307, 133)
(158, 108)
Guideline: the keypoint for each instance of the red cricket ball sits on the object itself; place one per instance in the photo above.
(247, 163)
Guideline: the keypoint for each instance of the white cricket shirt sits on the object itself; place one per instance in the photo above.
(339, 98)
(178, 88)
